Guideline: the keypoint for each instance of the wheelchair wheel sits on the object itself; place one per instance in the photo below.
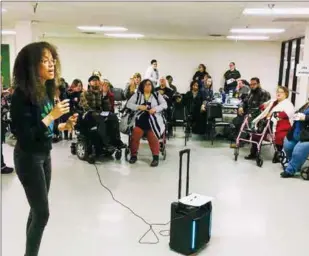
(259, 162)
(305, 174)
(127, 153)
(82, 150)
(236, 154)
(73, 148)
(118, 155)
(91, 159)
(164, 153)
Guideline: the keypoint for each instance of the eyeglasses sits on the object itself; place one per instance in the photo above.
(49, 62)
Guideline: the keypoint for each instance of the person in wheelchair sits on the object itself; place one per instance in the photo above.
(95, 102)
(192, 101)
(148, 106)
(255, 100)
(296, 143)
(280, 111)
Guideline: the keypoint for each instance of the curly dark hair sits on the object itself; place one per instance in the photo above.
(142, 86)
(26, 72)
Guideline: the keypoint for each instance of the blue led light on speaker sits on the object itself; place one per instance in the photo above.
(193, 235)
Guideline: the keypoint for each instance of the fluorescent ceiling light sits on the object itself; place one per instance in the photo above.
(8, 32)
(102, 28)
(276, 11)
(125, 35)
(257, 30)
(3, 10)
(248, 37)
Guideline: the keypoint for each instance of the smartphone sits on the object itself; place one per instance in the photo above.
(65, 101)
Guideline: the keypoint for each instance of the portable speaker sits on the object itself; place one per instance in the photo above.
(191, 216)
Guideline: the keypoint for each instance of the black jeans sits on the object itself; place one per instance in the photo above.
(34, 172)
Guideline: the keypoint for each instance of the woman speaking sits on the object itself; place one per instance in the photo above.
(35, 74)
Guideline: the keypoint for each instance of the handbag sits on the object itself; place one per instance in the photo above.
(126, 123)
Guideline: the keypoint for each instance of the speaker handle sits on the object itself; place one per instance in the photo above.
(181, 153)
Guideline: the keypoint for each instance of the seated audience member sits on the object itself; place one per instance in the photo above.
(255, 100)
(74, 94)
(63, 84)
(199, 75)
(152, 73)
(207, 91)
(132, 86)
(281, 121)
(170, 82)
(242, 89)
(148, 119)
(231, 77)
(296, 143)
(165, 91)
(192, 101)
(167, 94)
(4, 125)
(108, 126)
(108, 98)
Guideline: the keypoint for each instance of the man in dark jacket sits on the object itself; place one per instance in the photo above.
(4, 111)
(251, 104)
(231, 77)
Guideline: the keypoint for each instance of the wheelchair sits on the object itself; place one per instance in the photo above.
(89, 145)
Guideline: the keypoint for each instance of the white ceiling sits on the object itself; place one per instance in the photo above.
(156, 20)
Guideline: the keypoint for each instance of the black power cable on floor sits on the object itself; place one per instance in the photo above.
(164, 233)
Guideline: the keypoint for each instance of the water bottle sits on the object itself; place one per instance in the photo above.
(231, 94)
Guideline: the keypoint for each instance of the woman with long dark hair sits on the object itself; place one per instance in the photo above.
(35, 75)
(148, 119)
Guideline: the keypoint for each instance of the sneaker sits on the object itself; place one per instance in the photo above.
(250, 157)
(233, 145)
(286, 175)
(6, 170)
(133, 160)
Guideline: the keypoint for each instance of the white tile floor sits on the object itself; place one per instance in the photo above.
(255, 212)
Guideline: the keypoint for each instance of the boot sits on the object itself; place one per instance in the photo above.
(276, 158)
(133, 159)
(155, 161)
(253, 153)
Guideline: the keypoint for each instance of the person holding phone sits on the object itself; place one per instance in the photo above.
(147, 105)
(33, 112)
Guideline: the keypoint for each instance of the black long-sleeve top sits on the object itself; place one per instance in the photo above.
(31, 133)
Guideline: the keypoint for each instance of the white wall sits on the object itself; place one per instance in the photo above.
(119, 59)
